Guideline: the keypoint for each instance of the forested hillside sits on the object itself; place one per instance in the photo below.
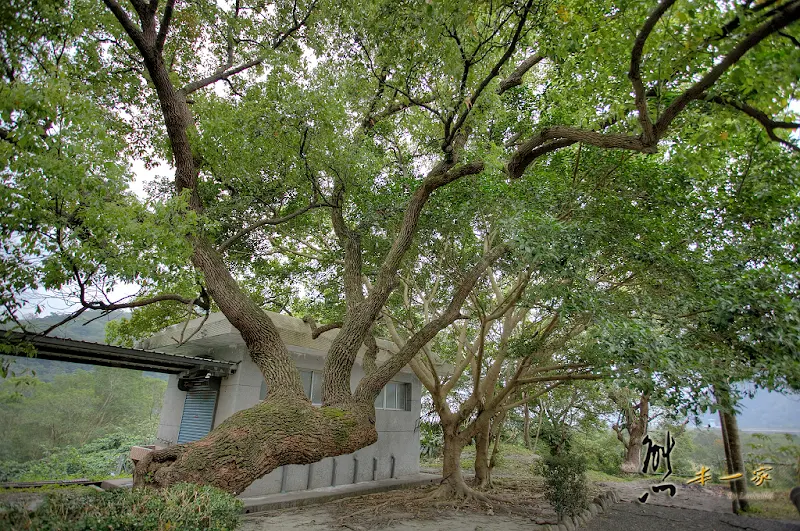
(65, 419)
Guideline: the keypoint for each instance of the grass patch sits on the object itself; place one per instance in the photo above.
(779, 506)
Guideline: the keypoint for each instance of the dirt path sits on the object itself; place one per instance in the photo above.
(627, 516)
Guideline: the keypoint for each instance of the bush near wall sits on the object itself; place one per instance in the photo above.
(182, 507)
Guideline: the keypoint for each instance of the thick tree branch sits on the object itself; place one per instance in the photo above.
(789, 14)
(163, 27)
(554, 138)
(634, 74)
(515, 79)
(133, 31)
(317, 331)
(369, 387)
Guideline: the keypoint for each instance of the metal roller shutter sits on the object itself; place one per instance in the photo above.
(198, 415)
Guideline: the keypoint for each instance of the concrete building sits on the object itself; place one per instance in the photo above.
(195, 403)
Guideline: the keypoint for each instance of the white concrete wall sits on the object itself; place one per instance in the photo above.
(169, 423)
(398, 437)
(398, 432)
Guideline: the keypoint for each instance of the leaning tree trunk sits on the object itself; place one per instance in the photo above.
(254, 441)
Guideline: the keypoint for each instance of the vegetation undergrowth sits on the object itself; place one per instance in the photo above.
(184, 506)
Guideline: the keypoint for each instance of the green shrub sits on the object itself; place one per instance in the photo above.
(182, 507)
(98, 459)
(565, 483)
(431, 440)
(602, 449)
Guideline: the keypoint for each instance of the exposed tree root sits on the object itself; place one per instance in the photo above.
(456, 492)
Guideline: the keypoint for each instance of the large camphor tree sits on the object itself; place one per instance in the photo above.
(283, 123)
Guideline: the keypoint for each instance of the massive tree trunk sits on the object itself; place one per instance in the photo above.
(636, 419)
(254, 441)
(453, 484)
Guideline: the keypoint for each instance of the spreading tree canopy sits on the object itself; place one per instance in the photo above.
(309, 143)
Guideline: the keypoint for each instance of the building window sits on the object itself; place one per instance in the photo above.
(312, 385)
(396, 395)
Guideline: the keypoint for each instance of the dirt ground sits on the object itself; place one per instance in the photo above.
(523, 505)
(516, 504)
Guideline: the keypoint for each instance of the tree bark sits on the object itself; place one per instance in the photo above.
(483, 473)
(637, 428)
(254, 441)
(733, 450)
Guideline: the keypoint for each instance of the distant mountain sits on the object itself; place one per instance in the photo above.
(89, 326)
(765, 412)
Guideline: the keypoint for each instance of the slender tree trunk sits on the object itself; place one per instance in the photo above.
(733, 450)
(482, 469)
(737, 462)
(526, 424)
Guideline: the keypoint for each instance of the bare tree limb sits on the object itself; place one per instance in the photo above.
(634, 74)
(515, 79)
(163, 27)
(266, 221)
(560, 377)
(761, 117)
(527, 399)
(228, 70)
(70, 317)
